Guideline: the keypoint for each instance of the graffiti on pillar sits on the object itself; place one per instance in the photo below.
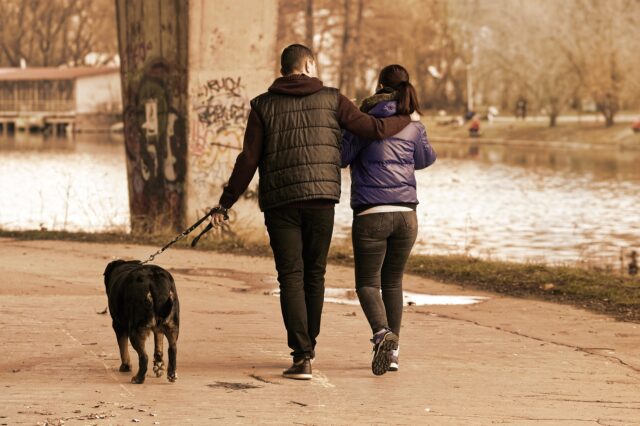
(222, 103)
(136, 53)
(220, 111)
(155, 138)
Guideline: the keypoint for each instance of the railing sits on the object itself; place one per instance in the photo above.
(37, 106)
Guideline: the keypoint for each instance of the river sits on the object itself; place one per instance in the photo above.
(499, 202)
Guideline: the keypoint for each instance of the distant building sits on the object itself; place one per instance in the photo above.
(58, 99)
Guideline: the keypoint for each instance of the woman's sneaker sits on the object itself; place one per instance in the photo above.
(394, 364)
(300, 370)
(384, 342)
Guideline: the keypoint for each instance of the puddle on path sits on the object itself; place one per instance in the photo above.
(346, 296)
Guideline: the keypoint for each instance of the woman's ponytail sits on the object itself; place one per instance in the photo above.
(407, 98)
(396, 77)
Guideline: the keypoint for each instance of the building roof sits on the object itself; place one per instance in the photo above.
(50, 73)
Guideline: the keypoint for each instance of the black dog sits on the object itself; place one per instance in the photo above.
(143, 298)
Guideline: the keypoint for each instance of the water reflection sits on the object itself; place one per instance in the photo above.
(601, 162)
(344, 296)
(35, 142)
(516, 203)
(74, 184)
(525, 203)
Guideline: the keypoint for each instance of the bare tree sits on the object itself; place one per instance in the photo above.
(599, 41)
(308, 19)
(525, 50)
(557, 54)
(344, 57)
(56, 32)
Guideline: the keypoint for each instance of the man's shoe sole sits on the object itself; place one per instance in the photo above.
(382, 357)
(302, 376)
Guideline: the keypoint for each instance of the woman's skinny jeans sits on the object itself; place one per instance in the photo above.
(381, 245)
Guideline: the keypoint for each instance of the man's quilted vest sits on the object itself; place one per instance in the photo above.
(301, 152)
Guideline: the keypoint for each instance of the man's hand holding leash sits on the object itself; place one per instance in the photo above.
(219, 215)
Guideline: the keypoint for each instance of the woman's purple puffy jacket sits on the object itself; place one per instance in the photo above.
(382, 172)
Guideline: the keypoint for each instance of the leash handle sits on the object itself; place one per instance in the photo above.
(208, 228)
(204, 231)
(189, 230)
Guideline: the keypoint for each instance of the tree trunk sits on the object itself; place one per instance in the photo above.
(355, 70)
(344, 55)
(308, 17)
(608, 107)
(554, 110)
(609, 118)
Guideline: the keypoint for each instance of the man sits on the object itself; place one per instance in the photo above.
(293, 137)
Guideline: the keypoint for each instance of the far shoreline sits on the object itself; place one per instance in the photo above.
(536, 134)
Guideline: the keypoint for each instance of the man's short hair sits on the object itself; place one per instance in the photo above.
(293, 58)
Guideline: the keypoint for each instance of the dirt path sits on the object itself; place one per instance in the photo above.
(506, 361)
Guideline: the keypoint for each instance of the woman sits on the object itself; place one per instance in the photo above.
(384, 199)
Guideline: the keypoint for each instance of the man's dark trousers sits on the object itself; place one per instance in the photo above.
(300, 240)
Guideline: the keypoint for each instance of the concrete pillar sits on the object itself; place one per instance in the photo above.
(152, 40)
(232, 47)
(189, 70)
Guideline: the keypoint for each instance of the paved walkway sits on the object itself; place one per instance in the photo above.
(502, 361)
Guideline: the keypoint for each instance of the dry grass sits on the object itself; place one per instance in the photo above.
(593, 289)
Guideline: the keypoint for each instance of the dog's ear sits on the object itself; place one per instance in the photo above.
(110, 267)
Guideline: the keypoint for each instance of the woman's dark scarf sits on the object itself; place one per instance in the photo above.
(382, 95)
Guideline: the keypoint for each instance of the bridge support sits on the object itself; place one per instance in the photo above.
(189, 70)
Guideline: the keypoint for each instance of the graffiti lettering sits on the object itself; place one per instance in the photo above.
(226, 85)
(221, 103)
(223, 115)
(221, 109)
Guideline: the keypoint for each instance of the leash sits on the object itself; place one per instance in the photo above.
(213, 211)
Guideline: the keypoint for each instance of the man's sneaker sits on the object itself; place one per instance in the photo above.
(383, 344)
(394, 365)
(300, 370)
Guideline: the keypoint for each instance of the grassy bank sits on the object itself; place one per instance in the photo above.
(595, 290)
(540, 132)
(234, 246)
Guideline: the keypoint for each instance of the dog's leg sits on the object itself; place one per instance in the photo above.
(172, 337)
(138, 338)
(158, 364)
(123, 344)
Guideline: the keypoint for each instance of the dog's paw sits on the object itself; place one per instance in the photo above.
(124, 368)
(137, 380)
(158, 368)
(172, 376)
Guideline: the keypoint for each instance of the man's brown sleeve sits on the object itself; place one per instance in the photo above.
(246, 163)
(365, 125)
